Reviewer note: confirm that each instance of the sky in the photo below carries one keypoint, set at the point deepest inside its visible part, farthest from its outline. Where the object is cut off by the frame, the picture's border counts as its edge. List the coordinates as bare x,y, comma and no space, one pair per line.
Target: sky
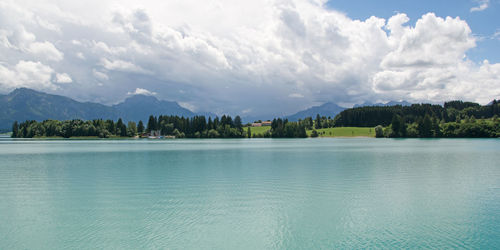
253,58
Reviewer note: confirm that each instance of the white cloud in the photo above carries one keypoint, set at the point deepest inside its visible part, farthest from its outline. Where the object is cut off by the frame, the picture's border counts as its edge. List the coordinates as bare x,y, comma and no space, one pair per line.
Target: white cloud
188,105
227,56
47,24
22,40
80,55
100,75
76,42
496,35
483,4
428,60
46,50
433,41
63,78
140,91
296,95
124,66
26,74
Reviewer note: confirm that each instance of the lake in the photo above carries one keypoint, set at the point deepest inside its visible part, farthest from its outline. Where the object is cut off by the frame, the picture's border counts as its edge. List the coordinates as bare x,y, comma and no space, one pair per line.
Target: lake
250,194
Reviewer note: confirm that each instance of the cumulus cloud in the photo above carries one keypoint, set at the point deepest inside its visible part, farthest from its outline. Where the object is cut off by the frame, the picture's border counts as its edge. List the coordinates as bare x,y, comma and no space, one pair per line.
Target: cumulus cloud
46,50
26,74
483,4
139,91
422,67
418,47
262,56
22,40
63,78
124,66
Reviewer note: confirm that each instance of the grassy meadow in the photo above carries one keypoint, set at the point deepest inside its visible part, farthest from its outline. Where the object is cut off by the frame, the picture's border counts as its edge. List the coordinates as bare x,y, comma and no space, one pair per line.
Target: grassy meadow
258,130
344,132
329,132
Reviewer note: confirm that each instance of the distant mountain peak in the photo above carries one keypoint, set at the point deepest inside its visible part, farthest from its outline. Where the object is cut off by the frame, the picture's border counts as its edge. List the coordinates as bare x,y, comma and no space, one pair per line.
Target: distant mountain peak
329,104
141,98
328,109
380,104
24,90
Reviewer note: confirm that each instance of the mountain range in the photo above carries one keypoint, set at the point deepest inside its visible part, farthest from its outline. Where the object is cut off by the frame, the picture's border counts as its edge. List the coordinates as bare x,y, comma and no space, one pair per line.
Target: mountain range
27,104
380,104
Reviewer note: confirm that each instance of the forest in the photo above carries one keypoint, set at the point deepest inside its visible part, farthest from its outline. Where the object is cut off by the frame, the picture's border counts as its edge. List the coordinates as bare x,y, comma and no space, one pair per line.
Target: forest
455,119
174,126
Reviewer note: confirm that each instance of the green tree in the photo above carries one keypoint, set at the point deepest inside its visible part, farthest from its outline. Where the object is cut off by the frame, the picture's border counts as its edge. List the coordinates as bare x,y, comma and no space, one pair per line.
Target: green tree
212,133
249,132
379,131
178,134
425,127
314,133
151,124
436,131
396,126
131,129
110,126
237,123
119,125
121,129
167,128
308,122
317,122
15,130
140,127
472,119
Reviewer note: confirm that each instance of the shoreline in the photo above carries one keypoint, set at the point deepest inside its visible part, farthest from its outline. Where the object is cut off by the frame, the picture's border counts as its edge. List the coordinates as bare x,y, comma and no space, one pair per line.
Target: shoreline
170,139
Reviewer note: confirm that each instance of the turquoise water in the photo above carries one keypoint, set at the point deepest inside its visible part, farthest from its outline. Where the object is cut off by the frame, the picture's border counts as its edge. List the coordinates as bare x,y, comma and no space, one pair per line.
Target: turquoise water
250,194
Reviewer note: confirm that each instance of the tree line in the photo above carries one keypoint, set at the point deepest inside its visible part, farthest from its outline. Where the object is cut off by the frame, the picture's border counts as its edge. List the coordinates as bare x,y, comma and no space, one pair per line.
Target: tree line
196,127
453,111
178,127
455,119
432,127
71,128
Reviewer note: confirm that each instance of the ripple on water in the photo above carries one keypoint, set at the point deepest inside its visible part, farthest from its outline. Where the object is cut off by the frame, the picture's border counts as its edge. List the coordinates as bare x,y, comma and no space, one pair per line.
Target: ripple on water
254,194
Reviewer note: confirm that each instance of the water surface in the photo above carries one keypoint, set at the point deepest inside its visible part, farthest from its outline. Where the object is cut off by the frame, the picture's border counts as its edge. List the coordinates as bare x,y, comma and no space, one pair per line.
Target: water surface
250,194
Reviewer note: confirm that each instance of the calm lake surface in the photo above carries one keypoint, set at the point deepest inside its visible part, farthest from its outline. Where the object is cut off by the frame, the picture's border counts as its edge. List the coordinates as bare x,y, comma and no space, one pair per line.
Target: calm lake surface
250,194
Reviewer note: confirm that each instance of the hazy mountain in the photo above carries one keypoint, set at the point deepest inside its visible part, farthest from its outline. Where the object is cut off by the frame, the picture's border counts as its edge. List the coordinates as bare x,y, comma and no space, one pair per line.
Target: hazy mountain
207,114
391,103
26,104
253,118
328,109
140,107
